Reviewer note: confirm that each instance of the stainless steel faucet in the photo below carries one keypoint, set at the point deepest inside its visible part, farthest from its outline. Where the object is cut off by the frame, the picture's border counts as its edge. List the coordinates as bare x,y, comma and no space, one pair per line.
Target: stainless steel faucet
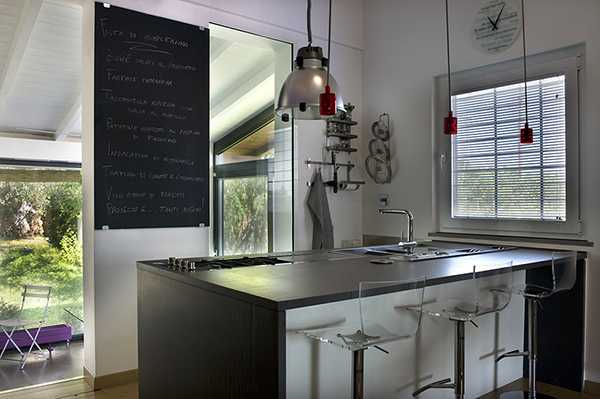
411,243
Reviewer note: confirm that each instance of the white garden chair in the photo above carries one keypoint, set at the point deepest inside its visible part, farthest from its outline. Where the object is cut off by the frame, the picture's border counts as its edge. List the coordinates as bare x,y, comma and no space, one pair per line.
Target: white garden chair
31,293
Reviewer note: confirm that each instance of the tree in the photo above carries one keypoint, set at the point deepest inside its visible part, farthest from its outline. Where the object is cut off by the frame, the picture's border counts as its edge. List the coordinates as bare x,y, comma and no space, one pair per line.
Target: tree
245,224
63,210
21,209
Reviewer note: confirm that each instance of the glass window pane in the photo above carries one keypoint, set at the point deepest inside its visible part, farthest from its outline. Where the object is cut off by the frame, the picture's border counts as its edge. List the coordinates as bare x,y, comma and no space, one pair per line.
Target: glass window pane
40,243
245,215
493,174
249,140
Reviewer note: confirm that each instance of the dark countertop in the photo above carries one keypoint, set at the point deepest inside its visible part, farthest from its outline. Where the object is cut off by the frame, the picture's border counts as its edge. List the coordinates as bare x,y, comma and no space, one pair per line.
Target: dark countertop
316,277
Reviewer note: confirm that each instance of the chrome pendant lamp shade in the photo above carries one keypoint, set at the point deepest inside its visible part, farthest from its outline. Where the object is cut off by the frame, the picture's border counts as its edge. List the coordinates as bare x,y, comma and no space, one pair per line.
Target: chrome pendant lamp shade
301,90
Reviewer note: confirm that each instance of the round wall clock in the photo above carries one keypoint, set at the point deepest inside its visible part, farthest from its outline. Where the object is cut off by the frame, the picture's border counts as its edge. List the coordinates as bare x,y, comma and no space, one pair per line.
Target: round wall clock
497,25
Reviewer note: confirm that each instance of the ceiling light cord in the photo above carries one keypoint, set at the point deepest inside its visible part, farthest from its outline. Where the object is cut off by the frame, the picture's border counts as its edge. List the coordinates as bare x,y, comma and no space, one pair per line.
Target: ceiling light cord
448,58
308,23
329,44
524,61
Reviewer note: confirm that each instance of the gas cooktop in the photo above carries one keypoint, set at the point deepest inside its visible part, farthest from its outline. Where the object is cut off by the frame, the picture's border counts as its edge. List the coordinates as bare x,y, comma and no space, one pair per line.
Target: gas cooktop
202,264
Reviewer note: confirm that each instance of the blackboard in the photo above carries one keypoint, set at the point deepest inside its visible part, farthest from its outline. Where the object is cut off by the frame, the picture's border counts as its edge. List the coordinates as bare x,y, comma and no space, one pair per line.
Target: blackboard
151,121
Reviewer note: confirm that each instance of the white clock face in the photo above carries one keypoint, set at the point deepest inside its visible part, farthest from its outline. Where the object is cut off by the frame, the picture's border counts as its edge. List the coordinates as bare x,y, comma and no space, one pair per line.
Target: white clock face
497,25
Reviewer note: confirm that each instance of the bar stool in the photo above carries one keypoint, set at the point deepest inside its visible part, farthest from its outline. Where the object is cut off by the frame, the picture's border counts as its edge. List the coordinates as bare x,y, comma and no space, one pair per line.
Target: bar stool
561,277
487,291
385,310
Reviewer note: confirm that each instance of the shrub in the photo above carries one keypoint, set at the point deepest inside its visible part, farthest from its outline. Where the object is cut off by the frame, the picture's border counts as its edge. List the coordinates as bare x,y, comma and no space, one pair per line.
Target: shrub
45,265
63,209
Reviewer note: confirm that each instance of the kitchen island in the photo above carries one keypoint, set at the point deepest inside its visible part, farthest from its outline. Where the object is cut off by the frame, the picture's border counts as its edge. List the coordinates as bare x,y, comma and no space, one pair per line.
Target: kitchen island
220,332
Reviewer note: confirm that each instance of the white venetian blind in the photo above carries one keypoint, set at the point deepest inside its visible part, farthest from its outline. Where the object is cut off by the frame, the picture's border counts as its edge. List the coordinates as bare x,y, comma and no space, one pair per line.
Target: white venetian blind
496,177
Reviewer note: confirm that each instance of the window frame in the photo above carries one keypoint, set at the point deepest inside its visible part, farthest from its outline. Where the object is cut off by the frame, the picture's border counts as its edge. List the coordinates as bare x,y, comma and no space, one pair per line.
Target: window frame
568,62
256,168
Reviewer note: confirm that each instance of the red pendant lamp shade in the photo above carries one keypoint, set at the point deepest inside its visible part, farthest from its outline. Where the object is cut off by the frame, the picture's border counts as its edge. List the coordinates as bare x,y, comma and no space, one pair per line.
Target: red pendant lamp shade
327,102
450,122
526,134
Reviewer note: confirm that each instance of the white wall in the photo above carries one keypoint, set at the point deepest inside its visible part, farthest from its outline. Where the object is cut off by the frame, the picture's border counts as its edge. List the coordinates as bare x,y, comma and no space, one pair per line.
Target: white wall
40,150
405,49
109,256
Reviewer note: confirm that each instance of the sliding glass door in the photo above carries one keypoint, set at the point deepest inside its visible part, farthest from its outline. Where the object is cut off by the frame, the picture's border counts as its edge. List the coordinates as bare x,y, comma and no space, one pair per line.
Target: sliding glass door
40,241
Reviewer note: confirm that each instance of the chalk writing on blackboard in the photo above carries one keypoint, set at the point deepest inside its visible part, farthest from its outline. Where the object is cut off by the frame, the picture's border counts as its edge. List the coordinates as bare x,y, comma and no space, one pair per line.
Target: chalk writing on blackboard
151,121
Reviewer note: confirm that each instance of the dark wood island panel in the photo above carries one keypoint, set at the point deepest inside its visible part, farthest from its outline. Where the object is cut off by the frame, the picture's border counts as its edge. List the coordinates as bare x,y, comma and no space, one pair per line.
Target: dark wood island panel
188,336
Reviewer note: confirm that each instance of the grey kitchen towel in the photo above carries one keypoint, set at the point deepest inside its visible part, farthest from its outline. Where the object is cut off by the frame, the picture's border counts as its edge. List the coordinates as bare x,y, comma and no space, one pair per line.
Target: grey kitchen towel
319,211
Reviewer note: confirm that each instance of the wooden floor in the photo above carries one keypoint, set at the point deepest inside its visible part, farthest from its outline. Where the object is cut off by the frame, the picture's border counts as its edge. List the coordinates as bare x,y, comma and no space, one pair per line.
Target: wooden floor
66,363
558,393
78,389
75,389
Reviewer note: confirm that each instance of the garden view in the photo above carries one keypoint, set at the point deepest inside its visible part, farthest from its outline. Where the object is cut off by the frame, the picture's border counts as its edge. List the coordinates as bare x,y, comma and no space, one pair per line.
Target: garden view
40,244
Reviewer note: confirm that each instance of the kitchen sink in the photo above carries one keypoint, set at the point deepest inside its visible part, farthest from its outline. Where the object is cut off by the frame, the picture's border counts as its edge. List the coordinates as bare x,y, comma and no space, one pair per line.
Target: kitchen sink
423,251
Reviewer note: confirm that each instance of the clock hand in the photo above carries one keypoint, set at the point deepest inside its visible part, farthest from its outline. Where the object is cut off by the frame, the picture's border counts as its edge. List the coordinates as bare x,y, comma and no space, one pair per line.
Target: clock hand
494,27
499,14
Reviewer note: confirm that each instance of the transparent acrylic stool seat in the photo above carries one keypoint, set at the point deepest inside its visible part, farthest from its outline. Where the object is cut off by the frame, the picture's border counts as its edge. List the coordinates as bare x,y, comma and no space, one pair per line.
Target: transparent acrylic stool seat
561,277
487,291
386,311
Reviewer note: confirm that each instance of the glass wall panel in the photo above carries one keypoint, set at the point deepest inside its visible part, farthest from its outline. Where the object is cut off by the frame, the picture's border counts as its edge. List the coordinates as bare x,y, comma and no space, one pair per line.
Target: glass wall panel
245,215
252,148
40,243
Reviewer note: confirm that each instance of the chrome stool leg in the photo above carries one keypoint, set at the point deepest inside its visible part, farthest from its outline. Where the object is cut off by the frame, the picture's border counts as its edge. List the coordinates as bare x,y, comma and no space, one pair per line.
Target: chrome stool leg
358,373
459,367
531,354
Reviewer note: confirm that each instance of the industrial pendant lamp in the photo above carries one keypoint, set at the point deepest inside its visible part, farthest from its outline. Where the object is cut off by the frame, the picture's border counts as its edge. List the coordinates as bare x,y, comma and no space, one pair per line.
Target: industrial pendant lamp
450,122
526,131
310,82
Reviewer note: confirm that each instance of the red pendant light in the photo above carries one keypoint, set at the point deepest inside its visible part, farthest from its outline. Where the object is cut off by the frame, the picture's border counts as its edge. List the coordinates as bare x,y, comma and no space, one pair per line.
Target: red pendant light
526,131
327,100
450,122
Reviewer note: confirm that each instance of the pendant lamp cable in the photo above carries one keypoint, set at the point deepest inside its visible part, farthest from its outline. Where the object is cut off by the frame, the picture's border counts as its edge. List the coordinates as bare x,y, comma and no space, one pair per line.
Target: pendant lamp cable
448,58
329,44
524,61
308,23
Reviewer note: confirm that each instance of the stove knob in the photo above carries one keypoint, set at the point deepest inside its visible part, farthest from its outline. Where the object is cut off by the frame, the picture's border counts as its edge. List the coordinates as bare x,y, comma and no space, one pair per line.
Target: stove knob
178,264
185,264
192,266
172,261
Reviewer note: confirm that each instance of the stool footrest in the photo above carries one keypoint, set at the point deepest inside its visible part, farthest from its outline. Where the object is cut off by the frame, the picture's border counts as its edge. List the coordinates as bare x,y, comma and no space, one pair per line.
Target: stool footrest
441,384
514,353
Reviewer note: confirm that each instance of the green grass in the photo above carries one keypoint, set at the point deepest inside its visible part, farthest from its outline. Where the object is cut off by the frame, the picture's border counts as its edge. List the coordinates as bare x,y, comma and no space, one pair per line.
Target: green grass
11,293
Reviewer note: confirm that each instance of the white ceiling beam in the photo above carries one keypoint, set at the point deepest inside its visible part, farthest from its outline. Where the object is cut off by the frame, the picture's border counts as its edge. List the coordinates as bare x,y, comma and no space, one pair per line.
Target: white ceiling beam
240,87
27,19
69,120
72,3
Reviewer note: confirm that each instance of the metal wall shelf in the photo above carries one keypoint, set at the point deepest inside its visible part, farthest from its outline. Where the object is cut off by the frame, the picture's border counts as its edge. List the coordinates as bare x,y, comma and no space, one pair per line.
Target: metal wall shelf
338,148
342,136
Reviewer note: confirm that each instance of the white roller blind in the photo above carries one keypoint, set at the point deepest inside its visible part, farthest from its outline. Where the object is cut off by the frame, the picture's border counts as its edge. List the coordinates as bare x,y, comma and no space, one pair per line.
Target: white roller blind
496,177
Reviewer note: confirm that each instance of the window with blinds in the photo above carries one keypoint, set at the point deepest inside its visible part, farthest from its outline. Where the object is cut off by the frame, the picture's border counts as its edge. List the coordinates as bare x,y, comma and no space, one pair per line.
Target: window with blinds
496,177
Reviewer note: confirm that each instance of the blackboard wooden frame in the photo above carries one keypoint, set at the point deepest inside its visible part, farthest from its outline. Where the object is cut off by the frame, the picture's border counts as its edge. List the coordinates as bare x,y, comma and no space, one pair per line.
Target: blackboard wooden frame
151,121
